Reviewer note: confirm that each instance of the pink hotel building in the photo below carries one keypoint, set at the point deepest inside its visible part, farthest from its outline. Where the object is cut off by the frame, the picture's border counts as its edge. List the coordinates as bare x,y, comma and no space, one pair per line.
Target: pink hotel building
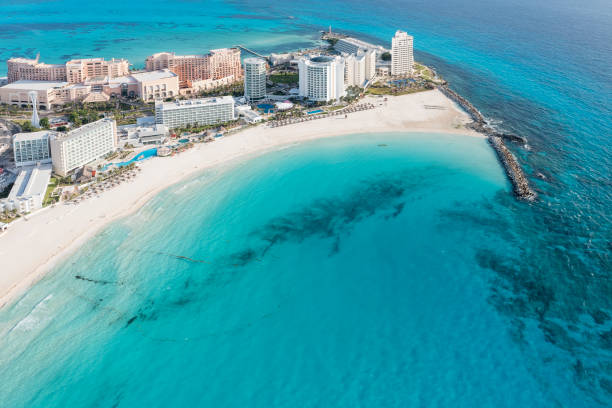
74,71
95,79
86,80
216,65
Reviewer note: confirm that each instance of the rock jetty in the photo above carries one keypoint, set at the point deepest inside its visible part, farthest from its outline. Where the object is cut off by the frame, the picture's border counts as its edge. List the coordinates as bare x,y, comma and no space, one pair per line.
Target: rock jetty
515,173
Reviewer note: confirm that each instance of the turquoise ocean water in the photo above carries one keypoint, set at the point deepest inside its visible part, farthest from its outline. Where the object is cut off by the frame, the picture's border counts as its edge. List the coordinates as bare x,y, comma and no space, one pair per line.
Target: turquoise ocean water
388,270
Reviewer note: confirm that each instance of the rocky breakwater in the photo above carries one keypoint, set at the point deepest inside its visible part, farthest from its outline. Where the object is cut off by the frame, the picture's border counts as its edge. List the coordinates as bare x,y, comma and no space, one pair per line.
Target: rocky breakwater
515,173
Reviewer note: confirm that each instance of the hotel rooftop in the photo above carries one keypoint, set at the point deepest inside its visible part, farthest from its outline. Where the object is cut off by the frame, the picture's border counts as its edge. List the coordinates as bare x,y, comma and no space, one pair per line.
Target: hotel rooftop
77,132
31,181
35,85
21,137
194,102
153,75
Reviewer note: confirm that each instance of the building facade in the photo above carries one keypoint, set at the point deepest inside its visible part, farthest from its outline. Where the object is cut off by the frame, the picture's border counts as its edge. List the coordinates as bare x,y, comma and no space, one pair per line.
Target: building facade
402,59
351,45
24,69
354,70
80,70
321,78
80,80
254,79
147,86
359,68
217,64
157,84
206,85
32,148
225,62
80,146
48,93
143,134
74,71
209,111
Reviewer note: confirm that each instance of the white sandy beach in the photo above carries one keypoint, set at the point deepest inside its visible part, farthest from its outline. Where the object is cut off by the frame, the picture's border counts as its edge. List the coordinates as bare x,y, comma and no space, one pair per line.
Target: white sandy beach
33,245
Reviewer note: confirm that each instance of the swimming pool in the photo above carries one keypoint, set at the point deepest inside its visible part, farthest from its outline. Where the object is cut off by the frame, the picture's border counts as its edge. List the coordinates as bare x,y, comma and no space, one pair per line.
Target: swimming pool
145,154
183,140
315,111
266,107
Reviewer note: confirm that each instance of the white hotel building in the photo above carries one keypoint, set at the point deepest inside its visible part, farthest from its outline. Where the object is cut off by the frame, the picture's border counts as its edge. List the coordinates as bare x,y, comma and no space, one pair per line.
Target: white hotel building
321,78
254,79
359,68
351,45
32,148
207,111
80,146
402,59
28,192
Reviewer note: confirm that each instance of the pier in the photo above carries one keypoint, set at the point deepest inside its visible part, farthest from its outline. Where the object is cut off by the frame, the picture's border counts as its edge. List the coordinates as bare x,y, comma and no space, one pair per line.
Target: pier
242,47
515,173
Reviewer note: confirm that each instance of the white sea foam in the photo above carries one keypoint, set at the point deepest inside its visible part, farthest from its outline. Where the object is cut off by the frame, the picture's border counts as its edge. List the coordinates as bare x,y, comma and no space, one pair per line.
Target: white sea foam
38,315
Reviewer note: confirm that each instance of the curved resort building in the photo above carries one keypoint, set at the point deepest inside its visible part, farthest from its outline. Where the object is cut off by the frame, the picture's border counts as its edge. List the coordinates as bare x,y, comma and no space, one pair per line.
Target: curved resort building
321,78
254,79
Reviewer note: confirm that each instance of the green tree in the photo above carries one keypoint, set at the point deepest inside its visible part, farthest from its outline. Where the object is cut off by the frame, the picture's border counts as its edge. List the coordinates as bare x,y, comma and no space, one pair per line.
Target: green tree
44,123
74,118
386,56
27,127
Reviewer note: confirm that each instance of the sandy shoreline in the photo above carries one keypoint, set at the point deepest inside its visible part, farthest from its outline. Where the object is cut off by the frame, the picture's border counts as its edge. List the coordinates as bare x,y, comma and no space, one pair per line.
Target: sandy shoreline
33,246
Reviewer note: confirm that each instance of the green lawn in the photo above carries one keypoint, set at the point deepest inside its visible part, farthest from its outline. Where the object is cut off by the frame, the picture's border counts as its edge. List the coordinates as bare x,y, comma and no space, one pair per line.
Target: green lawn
284,78
391,91
53,182
375,90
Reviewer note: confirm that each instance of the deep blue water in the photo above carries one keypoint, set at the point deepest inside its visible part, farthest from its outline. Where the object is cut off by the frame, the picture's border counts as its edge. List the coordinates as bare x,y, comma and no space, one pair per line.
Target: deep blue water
312,291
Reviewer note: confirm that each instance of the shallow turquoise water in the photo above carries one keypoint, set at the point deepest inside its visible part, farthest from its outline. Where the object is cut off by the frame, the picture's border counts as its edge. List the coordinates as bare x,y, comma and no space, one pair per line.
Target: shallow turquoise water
332,273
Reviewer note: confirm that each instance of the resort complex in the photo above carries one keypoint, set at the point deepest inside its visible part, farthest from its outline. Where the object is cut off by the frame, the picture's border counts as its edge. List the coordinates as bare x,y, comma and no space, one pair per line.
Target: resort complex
229,204
140,85
73,71
97,80
176,101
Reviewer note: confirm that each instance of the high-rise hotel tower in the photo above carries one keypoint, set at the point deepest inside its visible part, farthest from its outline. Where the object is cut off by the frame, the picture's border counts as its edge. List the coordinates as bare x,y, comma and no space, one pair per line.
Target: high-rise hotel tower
254,79
402,60
321,78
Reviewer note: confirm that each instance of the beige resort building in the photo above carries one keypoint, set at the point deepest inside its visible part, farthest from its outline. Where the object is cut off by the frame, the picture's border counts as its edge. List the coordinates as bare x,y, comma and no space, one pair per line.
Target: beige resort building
74,71
145,85
216,65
